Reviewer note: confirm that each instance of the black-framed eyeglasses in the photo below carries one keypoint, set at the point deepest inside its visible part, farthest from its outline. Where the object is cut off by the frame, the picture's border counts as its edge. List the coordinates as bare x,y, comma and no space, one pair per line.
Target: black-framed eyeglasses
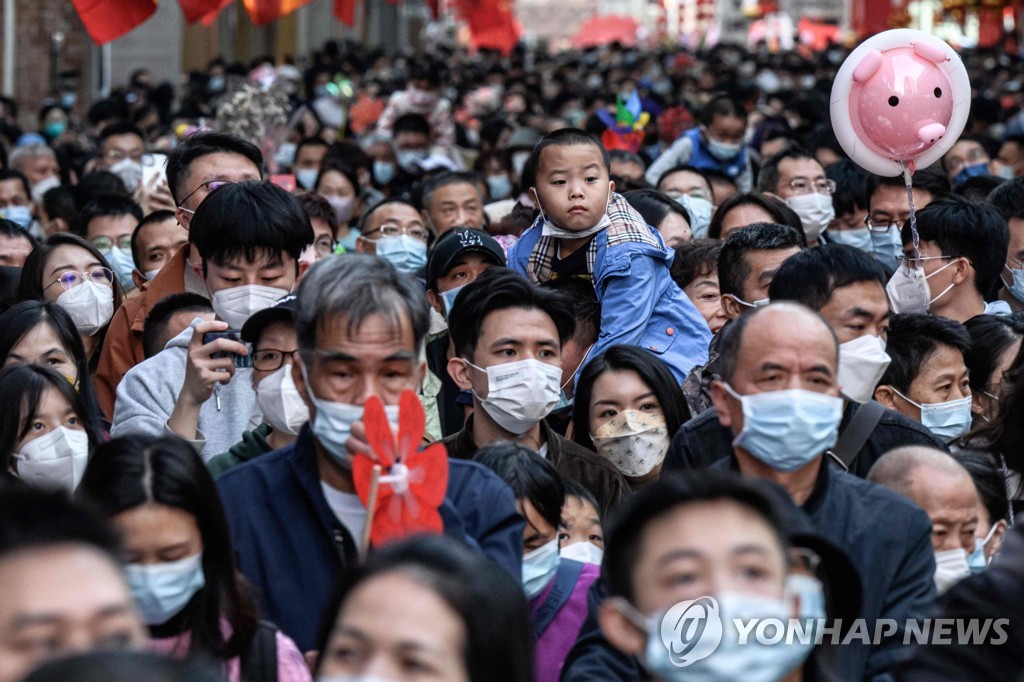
271,359
883,225
211,185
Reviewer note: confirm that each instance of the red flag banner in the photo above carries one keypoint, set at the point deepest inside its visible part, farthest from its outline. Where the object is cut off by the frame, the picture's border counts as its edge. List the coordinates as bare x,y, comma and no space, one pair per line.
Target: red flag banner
204,11
107,20
264,12
345,11
492,23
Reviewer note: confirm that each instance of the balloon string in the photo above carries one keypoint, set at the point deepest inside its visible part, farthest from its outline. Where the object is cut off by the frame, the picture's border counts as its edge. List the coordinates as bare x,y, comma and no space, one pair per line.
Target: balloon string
913,212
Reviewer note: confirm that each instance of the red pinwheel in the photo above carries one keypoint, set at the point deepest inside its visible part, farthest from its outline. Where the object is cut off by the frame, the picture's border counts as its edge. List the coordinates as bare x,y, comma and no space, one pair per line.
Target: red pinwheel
412,481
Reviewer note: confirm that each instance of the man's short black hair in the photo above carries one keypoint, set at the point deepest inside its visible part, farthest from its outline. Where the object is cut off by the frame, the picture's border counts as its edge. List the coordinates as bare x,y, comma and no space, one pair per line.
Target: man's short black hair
529,476
33,518
249,220
155,327
152,219
106,206
121,128
411,123
624,534
912,338
310,142
962,229
769,176
501,289
976,189
733,267
11,230
812,275
11,174
1008,198
851,185
721,104
436,182
626,157
198,145
585,307
930,179
566,137
688,169
96,184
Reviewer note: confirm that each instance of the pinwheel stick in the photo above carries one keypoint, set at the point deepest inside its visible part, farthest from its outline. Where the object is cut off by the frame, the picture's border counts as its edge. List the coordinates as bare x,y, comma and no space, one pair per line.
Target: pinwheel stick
371,507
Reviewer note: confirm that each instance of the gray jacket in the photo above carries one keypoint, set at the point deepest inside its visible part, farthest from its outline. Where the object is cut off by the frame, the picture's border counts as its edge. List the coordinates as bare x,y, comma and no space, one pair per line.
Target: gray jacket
148,392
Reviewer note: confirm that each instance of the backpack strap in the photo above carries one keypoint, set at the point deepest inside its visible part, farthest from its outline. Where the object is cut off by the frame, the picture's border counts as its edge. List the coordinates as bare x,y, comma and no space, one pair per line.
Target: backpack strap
857,433
259,664
565,581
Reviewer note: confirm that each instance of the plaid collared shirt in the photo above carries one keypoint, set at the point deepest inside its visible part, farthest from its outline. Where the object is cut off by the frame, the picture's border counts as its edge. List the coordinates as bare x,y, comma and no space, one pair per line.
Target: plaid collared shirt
627,225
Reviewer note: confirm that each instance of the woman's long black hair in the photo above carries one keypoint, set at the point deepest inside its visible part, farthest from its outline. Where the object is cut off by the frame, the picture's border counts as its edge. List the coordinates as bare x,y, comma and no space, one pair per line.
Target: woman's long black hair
21,390
652,371
22,318
129,472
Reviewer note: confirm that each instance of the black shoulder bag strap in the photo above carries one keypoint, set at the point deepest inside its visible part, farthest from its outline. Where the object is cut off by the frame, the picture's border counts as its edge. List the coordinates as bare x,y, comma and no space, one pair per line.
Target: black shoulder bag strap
565,581
856,433
259,664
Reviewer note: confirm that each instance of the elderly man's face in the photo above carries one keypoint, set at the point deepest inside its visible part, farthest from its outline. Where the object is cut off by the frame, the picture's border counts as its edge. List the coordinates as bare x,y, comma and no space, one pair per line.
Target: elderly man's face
950,500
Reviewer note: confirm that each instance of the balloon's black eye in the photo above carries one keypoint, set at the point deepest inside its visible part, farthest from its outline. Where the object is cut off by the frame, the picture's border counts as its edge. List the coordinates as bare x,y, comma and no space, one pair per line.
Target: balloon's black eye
894,100
938,92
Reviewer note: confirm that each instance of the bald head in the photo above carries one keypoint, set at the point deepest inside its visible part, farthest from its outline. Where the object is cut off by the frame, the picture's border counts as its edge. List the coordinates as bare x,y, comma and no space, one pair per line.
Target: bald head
937,483
788,323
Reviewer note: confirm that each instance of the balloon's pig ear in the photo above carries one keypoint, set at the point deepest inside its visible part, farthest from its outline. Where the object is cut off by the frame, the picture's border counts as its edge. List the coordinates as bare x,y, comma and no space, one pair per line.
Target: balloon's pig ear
867,67
930,51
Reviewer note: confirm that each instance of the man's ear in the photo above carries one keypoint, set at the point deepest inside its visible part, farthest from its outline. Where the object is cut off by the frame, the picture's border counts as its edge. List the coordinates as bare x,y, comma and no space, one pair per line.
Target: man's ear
458,370
996,541
184,217
364,245
303,268
138,279
730,307
961,270
435,301
620,631
611,185
720,399
773,195
886,396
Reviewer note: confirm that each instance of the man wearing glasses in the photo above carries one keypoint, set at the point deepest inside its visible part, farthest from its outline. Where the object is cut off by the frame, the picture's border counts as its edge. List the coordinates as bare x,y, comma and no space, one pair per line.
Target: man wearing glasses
121,148
889,209
107,222
199,165
795,177
395,231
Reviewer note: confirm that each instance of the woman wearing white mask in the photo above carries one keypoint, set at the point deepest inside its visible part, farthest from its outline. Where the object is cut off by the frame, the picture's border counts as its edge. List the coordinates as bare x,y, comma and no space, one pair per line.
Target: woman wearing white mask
46,442
180,565
71,272
670,218
274,346
340,187
426,609
556,586
627,408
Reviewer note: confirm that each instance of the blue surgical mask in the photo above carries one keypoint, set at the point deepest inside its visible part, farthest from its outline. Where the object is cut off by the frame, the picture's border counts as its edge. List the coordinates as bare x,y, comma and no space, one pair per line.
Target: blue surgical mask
306,177
405,252
859,238
55,129
285,155
163,590
332,424
448,297
123,265
971,171
722,151
20,215
976,560
886,245
383,172
408,159
787,429
499,186
539,568
1016,288
751,661
946,420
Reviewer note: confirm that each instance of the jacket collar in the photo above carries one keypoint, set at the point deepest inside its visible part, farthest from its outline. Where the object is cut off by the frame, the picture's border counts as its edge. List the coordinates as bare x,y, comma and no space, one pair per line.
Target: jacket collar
303,465
465,447
172,279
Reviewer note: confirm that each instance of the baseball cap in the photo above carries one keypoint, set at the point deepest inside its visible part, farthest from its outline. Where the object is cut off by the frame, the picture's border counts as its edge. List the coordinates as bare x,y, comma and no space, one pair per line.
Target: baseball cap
456,242
283,310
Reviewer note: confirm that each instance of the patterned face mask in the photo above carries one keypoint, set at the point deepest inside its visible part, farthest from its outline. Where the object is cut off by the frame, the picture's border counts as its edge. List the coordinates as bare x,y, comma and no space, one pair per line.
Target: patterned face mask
635,442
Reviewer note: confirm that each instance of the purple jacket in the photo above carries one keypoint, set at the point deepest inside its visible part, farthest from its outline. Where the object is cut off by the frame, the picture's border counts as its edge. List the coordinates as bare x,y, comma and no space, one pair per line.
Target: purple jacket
554,643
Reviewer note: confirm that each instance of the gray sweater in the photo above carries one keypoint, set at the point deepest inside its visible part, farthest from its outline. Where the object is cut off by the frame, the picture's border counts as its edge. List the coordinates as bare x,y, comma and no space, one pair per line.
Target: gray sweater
148,392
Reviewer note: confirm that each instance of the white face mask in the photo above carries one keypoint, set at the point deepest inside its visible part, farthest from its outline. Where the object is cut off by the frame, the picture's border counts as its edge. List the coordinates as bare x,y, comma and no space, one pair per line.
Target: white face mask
815,211
909,292
44,186
130,173
700,210
549,228
862,362
950,568
90,306
635,442
280,403
150,274
583,552
238,304
56,460
520,394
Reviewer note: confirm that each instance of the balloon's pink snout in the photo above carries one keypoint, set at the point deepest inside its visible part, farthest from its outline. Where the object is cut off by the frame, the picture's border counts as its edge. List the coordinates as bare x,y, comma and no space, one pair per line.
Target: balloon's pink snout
931,132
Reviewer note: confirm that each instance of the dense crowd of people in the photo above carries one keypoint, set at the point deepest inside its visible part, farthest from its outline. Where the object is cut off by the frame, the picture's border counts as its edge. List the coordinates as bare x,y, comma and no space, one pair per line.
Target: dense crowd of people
601,369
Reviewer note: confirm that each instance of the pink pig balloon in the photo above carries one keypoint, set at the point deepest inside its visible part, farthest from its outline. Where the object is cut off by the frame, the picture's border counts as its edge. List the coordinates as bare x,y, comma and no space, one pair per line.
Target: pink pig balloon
902,95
